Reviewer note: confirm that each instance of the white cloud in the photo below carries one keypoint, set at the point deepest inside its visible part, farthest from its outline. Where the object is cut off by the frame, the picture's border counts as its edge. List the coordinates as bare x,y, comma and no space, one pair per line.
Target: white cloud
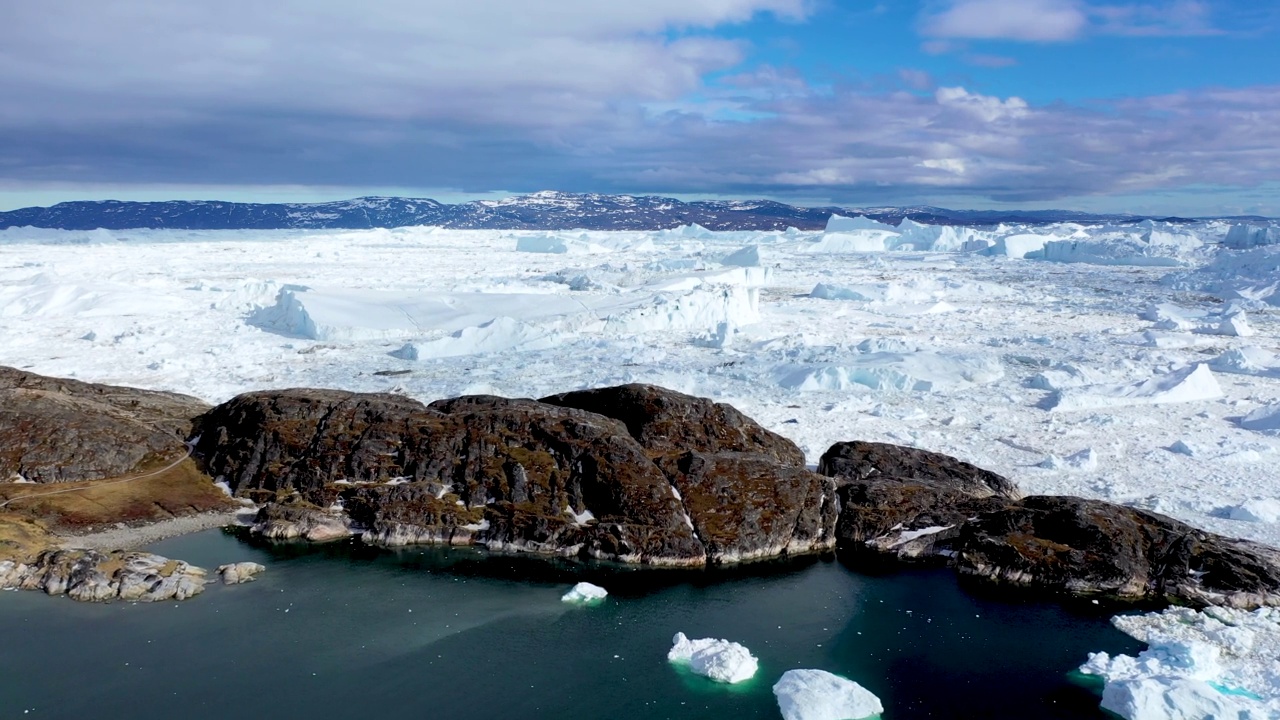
1028,20
985,107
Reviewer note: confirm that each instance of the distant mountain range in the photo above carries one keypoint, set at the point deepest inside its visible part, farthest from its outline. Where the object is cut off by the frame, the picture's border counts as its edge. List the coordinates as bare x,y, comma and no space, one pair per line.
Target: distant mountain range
540,211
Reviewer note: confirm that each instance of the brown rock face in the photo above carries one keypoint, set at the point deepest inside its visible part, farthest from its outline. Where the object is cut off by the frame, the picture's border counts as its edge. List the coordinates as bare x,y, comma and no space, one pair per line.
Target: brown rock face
1089,547
745,506
889,494
525,474
668,424
55,430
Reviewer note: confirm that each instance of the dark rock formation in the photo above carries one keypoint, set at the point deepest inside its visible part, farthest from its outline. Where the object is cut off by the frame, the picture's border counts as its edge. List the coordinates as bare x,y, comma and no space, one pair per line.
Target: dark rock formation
859,460
525,474
1089,547
905,502
668,424
57,430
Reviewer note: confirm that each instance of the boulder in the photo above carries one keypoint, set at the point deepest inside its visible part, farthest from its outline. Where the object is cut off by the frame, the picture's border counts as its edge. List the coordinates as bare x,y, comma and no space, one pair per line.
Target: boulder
237,573
57,430
907,503
1094,548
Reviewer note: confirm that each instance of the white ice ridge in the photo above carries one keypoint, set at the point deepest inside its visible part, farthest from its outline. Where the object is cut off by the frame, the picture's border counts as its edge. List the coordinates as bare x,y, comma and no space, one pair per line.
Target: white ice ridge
585,592
1218,663
720,660
820,695
1189,384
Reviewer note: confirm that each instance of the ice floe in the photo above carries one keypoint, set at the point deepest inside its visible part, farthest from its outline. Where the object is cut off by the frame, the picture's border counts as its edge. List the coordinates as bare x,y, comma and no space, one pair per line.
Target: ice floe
585,592
820,695
720,660
1218,663
1186,385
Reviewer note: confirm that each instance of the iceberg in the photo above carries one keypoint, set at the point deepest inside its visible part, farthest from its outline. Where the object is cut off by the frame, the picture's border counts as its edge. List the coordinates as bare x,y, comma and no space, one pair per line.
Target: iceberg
820,695
720,660
1215,663
1186,385
585,593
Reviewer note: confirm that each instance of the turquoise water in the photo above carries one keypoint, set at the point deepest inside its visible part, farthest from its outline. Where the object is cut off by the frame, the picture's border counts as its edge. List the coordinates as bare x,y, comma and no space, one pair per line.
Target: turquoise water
341,631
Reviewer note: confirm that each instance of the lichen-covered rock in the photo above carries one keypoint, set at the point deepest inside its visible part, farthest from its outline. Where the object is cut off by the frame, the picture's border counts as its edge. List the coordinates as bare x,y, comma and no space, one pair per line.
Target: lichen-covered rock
1094,548
905,502
281,521
525,474
92,576
668,423
746,506
858,460
57,430
241,572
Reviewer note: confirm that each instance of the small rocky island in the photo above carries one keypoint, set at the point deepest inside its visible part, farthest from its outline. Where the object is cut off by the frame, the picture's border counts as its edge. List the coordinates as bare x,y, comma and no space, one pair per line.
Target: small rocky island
633,474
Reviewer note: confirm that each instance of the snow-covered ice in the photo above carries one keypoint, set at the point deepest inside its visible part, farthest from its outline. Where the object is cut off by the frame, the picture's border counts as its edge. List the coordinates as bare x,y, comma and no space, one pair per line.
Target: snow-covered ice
720,660
1219,663
585,592
999,361
820,695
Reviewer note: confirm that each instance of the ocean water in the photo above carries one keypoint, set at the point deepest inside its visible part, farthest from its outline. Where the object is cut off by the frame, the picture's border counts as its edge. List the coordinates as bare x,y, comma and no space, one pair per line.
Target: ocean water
344,631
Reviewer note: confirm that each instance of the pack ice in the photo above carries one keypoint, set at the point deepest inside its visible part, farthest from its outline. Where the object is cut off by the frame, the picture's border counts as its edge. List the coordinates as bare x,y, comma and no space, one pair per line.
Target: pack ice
720,660
1216,663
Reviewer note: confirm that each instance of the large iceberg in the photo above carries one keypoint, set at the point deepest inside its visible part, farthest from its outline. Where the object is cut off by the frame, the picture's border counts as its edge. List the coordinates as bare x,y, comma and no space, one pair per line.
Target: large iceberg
820,695
720,660
1218,663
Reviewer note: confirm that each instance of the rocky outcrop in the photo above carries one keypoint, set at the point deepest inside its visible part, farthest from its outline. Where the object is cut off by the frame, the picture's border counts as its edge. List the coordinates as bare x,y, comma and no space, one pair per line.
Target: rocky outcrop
57,430
528,475
237,573
1089,547
92,576
668,424
905,502
281,521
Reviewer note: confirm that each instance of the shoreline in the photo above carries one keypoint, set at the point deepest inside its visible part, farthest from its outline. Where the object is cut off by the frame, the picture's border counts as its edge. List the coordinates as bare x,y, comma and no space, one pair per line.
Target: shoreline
133,538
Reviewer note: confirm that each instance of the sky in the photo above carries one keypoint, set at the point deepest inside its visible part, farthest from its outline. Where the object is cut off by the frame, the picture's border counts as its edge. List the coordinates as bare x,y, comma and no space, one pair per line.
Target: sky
1165,107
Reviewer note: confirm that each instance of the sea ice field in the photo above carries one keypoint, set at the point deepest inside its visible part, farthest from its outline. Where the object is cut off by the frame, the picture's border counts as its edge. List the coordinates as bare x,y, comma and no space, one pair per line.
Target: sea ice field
1134,364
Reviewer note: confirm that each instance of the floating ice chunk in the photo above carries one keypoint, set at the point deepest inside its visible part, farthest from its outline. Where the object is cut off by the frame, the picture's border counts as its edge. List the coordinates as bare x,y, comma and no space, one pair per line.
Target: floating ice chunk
1244,236
820,695
1259,510
1176,699
748,256
1020,246
720,338
1234,325
1186,385
1063,376
840,223
558,245
720,660
585,592
497,335
704,307
1162,312
1249,360
1168,340
1217,663
1181,447
915,372
1263,419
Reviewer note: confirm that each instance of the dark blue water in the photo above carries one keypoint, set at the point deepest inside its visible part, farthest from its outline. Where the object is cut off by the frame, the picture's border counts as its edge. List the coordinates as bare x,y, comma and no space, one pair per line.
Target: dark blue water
342,631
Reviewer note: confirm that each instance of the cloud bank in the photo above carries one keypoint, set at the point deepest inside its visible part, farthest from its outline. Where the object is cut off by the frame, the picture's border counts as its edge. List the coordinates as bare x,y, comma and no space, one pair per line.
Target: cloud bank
578,95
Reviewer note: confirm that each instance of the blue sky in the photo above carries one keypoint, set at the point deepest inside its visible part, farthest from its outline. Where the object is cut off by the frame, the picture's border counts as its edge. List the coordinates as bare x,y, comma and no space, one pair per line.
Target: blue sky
1159,106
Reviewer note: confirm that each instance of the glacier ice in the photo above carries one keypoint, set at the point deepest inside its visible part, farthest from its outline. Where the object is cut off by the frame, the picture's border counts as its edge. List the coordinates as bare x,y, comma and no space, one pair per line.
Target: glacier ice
720,660
820,695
